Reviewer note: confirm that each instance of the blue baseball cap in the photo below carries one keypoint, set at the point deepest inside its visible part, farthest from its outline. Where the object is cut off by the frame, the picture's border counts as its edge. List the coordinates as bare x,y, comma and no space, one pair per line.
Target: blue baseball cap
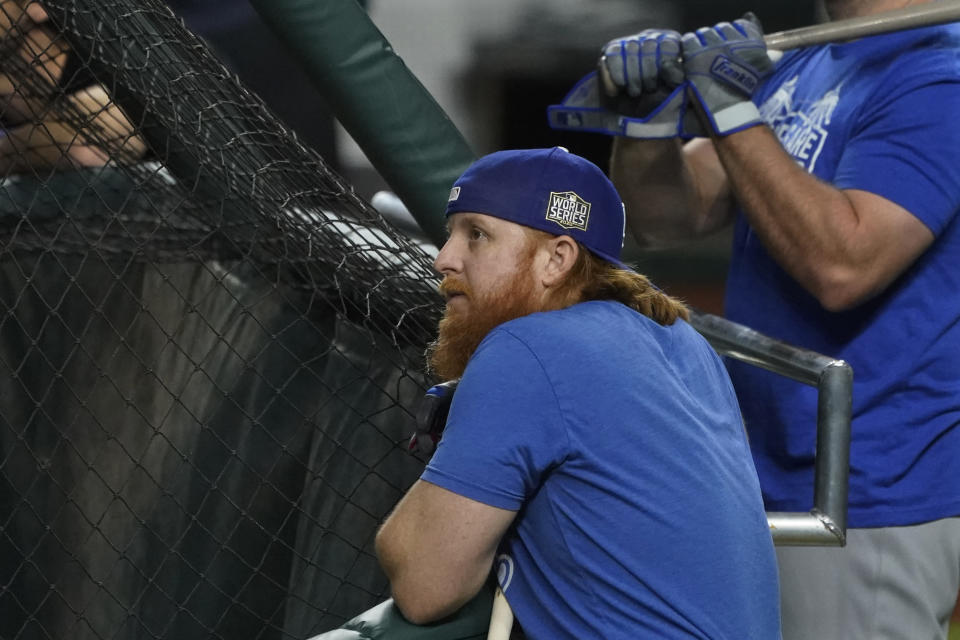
548,189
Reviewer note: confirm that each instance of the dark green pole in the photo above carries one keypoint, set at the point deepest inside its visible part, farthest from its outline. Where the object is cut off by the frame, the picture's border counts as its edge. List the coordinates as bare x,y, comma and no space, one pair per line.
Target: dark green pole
400,127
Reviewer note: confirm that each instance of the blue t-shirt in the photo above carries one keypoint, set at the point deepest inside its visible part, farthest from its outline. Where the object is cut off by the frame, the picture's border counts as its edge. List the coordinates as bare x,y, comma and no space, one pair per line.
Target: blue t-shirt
876,115
621,445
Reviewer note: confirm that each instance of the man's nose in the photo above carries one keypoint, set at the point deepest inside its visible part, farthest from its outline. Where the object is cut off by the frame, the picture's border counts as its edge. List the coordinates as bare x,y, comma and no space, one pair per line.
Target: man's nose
448,260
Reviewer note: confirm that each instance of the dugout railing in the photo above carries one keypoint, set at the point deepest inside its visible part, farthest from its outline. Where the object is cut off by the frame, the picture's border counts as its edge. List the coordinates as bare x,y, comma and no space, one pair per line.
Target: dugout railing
826,523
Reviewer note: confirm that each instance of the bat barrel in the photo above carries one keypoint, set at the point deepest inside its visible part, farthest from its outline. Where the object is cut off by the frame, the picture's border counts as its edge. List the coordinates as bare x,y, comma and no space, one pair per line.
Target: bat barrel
923,15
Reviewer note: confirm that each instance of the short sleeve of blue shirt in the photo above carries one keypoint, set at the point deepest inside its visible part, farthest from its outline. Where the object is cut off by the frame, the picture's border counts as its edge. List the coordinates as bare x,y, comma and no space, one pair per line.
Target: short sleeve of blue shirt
902,151
504,431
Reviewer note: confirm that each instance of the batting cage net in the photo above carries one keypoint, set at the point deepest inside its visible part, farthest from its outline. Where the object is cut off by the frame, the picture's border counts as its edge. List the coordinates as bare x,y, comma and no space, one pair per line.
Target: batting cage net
210,347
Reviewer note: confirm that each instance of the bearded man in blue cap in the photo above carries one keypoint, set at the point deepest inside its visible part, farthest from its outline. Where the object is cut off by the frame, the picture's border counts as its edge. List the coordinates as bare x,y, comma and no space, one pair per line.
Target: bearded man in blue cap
594,449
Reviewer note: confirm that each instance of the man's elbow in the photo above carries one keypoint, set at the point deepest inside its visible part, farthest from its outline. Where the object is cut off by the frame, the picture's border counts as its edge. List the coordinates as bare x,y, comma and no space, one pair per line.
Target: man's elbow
421,594
423,599
418,607
841,289
412,607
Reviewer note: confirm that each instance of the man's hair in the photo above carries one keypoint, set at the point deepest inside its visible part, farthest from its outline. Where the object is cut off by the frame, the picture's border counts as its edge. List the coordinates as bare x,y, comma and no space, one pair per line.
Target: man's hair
593,278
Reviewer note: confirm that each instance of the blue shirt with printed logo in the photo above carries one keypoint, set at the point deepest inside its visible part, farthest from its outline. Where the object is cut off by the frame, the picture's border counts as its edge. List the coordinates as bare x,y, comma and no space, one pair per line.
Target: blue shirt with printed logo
620,445
878,115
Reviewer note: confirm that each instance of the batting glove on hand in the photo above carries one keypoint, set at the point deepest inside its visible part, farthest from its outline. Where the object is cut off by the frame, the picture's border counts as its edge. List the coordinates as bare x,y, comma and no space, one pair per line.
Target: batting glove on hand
641,77
638,90
724,65
643,64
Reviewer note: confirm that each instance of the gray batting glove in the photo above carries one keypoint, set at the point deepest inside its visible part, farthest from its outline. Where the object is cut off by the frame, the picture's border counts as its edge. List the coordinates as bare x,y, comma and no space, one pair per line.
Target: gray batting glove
637,94
724,65
642,64
585,109
639,75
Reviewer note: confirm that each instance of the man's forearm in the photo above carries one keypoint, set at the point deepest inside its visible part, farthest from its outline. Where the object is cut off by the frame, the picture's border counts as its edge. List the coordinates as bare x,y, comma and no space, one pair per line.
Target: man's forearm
826,239
421,590
672,194
802,220
437,549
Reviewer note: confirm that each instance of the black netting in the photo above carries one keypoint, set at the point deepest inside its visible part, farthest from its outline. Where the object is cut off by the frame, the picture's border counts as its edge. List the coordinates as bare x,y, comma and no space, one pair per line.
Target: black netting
210,348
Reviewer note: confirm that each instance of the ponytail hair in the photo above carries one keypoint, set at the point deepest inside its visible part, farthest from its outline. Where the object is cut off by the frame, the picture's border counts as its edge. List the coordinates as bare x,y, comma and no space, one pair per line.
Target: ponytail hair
592,278
605,281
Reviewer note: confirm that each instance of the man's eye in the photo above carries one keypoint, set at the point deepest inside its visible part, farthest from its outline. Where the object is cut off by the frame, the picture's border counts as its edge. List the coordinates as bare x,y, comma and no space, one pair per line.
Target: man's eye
477,234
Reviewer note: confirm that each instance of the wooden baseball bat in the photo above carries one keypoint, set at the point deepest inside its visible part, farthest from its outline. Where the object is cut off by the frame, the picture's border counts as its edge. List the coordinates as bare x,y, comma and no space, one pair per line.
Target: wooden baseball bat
501,618
921,15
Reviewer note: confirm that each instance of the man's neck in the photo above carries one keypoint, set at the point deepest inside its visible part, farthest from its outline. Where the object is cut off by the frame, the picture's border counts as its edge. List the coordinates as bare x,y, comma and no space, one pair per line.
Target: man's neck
843,9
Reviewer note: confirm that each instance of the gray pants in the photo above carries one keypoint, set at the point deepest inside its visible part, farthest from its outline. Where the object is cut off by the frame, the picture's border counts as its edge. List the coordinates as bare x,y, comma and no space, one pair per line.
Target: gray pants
895,583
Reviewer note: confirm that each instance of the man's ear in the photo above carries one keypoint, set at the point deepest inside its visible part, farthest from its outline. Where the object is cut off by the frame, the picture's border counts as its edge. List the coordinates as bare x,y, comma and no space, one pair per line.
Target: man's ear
563,253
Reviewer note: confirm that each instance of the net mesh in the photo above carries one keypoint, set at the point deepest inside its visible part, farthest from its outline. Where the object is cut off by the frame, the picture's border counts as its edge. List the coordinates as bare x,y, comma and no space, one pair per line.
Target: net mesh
210,347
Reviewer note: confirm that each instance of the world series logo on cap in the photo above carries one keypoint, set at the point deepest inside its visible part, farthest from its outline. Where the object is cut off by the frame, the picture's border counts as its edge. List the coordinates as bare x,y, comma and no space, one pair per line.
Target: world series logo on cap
568,210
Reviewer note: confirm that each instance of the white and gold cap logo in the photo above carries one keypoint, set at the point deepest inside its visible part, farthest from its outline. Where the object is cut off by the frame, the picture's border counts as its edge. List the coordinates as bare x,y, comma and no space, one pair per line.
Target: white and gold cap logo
568,210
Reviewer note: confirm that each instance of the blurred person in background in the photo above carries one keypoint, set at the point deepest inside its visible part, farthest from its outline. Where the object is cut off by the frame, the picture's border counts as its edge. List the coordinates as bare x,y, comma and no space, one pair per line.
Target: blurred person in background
54,114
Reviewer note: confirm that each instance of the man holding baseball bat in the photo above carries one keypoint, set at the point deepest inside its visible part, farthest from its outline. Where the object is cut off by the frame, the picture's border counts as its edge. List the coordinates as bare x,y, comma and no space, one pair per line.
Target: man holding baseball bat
840,170
594,446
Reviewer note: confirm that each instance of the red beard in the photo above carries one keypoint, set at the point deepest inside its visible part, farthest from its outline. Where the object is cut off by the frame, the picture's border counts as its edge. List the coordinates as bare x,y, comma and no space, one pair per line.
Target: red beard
460,333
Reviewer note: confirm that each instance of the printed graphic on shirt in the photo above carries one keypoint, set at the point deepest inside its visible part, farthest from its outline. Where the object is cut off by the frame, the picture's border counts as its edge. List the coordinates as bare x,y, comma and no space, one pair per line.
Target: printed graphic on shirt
568,210
802,128
504,566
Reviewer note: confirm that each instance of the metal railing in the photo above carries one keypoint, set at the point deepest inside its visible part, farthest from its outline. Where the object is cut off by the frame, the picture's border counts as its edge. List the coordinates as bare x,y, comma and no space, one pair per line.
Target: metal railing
826,523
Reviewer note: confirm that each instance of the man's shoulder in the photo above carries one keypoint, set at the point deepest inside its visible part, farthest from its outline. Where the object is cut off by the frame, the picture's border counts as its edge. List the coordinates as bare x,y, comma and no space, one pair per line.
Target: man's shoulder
589,313
592,325
923,51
